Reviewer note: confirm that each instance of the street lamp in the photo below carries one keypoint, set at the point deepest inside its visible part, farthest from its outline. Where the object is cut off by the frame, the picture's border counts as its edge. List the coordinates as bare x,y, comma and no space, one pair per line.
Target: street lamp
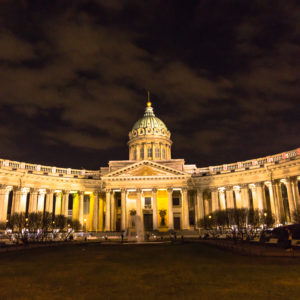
209,216
85,224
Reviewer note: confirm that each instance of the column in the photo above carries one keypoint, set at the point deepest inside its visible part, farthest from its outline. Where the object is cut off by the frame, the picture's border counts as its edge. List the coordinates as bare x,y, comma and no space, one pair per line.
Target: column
274,208
16,200
153,151
254,195
295,188
170,209
245,196
222,198
214,202
65,203
123,210
145,151
101,211
199,206
229,198
291,201
96,211
58,203
154,211
80,209
113,212
186,222
238,200
160,151
41,200
259,195
277,192
138,203
107,212
49,201
138,152
4,194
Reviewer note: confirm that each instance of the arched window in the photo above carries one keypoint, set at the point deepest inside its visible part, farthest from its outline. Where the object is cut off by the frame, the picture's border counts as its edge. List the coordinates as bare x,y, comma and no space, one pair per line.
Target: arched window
156,152
142,153
149,152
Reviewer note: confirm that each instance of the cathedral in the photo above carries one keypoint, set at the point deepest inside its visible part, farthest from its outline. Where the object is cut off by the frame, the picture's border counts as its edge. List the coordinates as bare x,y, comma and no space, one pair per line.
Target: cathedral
164,193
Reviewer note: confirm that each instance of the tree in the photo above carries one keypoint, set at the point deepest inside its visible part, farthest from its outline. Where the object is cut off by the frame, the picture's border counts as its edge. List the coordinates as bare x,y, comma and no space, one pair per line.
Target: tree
221,218
206,222
240,218
60,222
17,221
35,221
75,224
254,218
47,222
267,218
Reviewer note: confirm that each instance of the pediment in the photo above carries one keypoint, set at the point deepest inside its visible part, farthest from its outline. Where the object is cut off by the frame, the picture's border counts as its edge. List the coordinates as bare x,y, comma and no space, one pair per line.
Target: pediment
146,168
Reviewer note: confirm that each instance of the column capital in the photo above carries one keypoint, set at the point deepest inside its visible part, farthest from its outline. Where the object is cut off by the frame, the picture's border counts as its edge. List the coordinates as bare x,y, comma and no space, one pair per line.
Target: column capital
49,191
139,190
184,189
259,184
228,187
123,190
66,192
154,190
170,190
245,186
107,190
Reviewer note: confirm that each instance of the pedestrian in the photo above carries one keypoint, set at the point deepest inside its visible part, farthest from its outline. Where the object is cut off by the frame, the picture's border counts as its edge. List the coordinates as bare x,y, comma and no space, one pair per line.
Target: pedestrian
289,241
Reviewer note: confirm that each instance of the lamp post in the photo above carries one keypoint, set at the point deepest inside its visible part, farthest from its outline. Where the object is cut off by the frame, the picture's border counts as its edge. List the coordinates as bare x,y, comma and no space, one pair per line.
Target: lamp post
85,225
265,215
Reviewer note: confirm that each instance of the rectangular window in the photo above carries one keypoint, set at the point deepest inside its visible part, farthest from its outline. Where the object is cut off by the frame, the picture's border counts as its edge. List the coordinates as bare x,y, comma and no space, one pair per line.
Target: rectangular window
134,155
176,201
142,153
149,152
119,203
147,202
164,153
157,153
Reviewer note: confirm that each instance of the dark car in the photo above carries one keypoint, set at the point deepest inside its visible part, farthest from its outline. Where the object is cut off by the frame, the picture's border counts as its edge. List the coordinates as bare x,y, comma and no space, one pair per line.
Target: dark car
281,233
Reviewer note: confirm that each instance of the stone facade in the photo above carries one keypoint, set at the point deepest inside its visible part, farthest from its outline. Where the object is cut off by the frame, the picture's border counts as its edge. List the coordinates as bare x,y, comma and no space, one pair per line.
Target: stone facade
164,193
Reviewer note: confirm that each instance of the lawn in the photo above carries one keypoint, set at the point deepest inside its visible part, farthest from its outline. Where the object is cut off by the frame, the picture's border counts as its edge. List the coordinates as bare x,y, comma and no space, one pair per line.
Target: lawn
184,271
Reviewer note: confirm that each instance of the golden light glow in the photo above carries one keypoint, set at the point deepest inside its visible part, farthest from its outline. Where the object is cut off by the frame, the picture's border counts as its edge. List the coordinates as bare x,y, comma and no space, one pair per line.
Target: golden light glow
149,102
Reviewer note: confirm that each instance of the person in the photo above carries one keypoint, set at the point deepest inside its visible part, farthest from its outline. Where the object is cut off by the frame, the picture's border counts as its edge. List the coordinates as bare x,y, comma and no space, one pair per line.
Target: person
289,240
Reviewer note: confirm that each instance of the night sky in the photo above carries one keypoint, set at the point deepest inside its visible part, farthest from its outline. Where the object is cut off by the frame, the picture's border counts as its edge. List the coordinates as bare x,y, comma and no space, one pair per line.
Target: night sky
74,75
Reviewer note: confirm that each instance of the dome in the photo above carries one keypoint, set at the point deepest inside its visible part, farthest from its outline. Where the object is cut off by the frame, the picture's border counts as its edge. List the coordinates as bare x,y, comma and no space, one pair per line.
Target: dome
149,138
149,121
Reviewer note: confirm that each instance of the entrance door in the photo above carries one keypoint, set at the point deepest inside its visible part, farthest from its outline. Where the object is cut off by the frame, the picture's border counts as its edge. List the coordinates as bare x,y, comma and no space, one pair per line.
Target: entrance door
177,223
148,222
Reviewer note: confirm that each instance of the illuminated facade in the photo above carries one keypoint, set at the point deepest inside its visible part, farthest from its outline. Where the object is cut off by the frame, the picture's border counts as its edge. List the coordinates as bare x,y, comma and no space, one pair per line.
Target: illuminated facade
164,193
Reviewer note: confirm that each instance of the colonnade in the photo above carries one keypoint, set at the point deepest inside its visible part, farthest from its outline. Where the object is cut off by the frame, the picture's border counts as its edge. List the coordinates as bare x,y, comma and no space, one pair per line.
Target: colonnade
279,197
111,209
150,151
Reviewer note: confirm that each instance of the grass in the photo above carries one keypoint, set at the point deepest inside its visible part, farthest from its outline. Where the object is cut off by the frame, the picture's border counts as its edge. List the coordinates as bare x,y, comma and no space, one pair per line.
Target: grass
183,271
